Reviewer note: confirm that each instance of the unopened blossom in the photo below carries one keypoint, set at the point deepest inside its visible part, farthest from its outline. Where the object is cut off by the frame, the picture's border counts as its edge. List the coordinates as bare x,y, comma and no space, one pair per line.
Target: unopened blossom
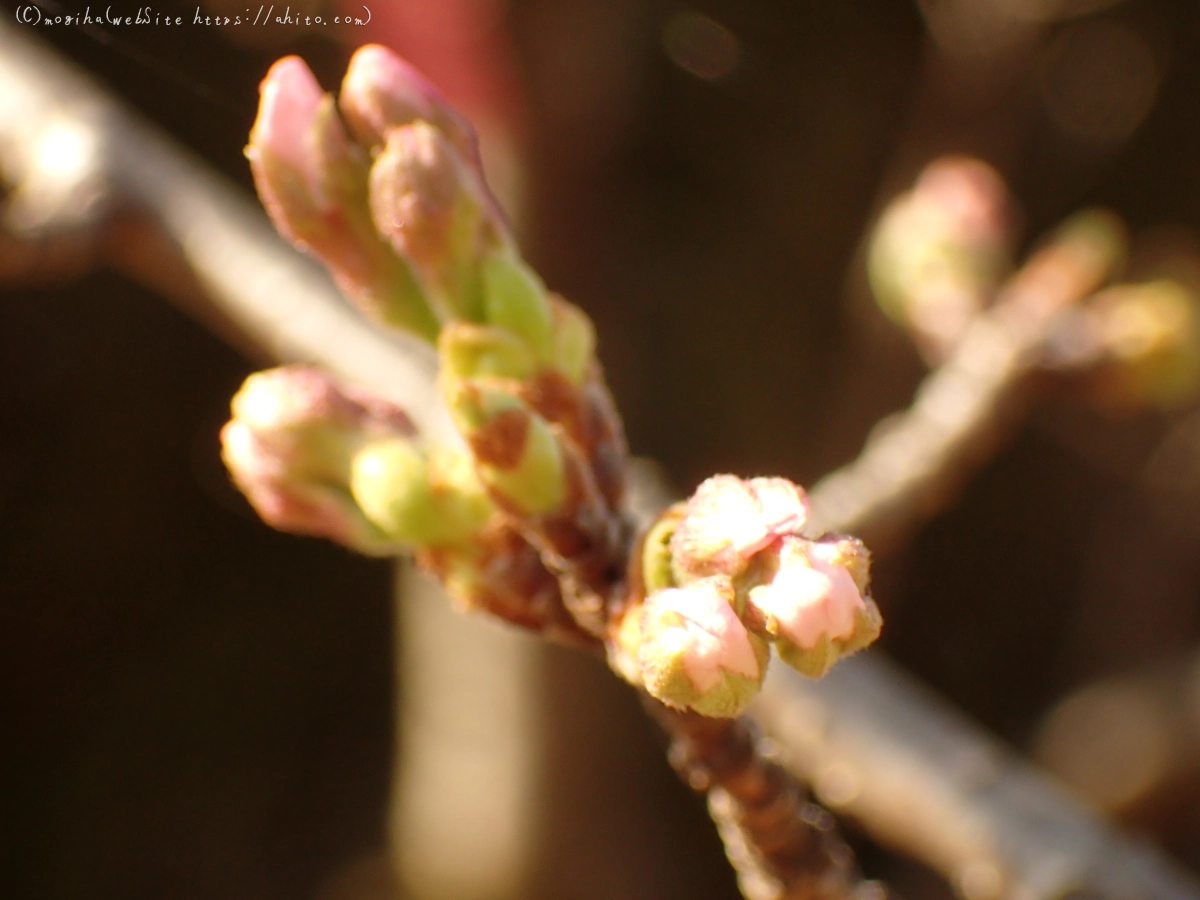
728,520
292,470
289,97
939,250
290,447
312,180
815,606
381,91
301,413
694,651
297,505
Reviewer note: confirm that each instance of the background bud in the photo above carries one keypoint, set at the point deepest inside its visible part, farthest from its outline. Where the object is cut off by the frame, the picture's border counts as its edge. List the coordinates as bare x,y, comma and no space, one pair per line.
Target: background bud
1150,334
940,249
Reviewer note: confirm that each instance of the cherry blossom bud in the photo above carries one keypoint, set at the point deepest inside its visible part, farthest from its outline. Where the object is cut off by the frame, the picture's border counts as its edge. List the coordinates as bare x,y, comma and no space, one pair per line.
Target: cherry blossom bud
288,100
517,453
433,209
295,504
695,653
420,499
289,449
940,249
814,607
728,520
299,411
381,91
313,184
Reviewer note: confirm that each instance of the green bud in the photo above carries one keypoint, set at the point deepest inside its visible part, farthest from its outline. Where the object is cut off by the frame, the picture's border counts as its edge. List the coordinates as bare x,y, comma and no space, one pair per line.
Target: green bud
656,551
536,485
418,499
517,453
473,351
515,300
574,339
695,653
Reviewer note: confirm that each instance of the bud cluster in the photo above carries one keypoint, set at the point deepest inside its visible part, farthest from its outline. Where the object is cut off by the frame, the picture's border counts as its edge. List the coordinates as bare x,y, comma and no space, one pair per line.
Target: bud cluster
385,186
728,574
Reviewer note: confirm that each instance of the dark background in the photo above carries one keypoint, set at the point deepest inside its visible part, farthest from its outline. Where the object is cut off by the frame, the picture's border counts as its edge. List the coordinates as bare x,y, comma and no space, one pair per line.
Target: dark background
196,706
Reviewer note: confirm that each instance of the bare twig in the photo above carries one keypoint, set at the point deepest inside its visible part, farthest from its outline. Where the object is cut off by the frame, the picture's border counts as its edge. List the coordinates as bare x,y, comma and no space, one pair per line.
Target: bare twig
920,778
913,462
782,846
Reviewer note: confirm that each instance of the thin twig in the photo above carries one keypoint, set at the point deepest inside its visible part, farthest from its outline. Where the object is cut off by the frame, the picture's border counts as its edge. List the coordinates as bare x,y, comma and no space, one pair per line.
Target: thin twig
913,462
920,778
782,846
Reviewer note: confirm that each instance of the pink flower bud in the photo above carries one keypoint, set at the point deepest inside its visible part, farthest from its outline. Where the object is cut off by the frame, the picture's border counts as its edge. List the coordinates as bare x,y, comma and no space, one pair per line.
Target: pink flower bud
381,91
296,505
417,183
814,606
810,597
290,446
289,97
313,184
695,652
728,520
300,411
434,210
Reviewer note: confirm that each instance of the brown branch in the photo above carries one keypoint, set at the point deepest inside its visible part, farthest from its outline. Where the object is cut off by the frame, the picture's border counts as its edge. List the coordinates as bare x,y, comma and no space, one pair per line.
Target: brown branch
782,846
921,779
